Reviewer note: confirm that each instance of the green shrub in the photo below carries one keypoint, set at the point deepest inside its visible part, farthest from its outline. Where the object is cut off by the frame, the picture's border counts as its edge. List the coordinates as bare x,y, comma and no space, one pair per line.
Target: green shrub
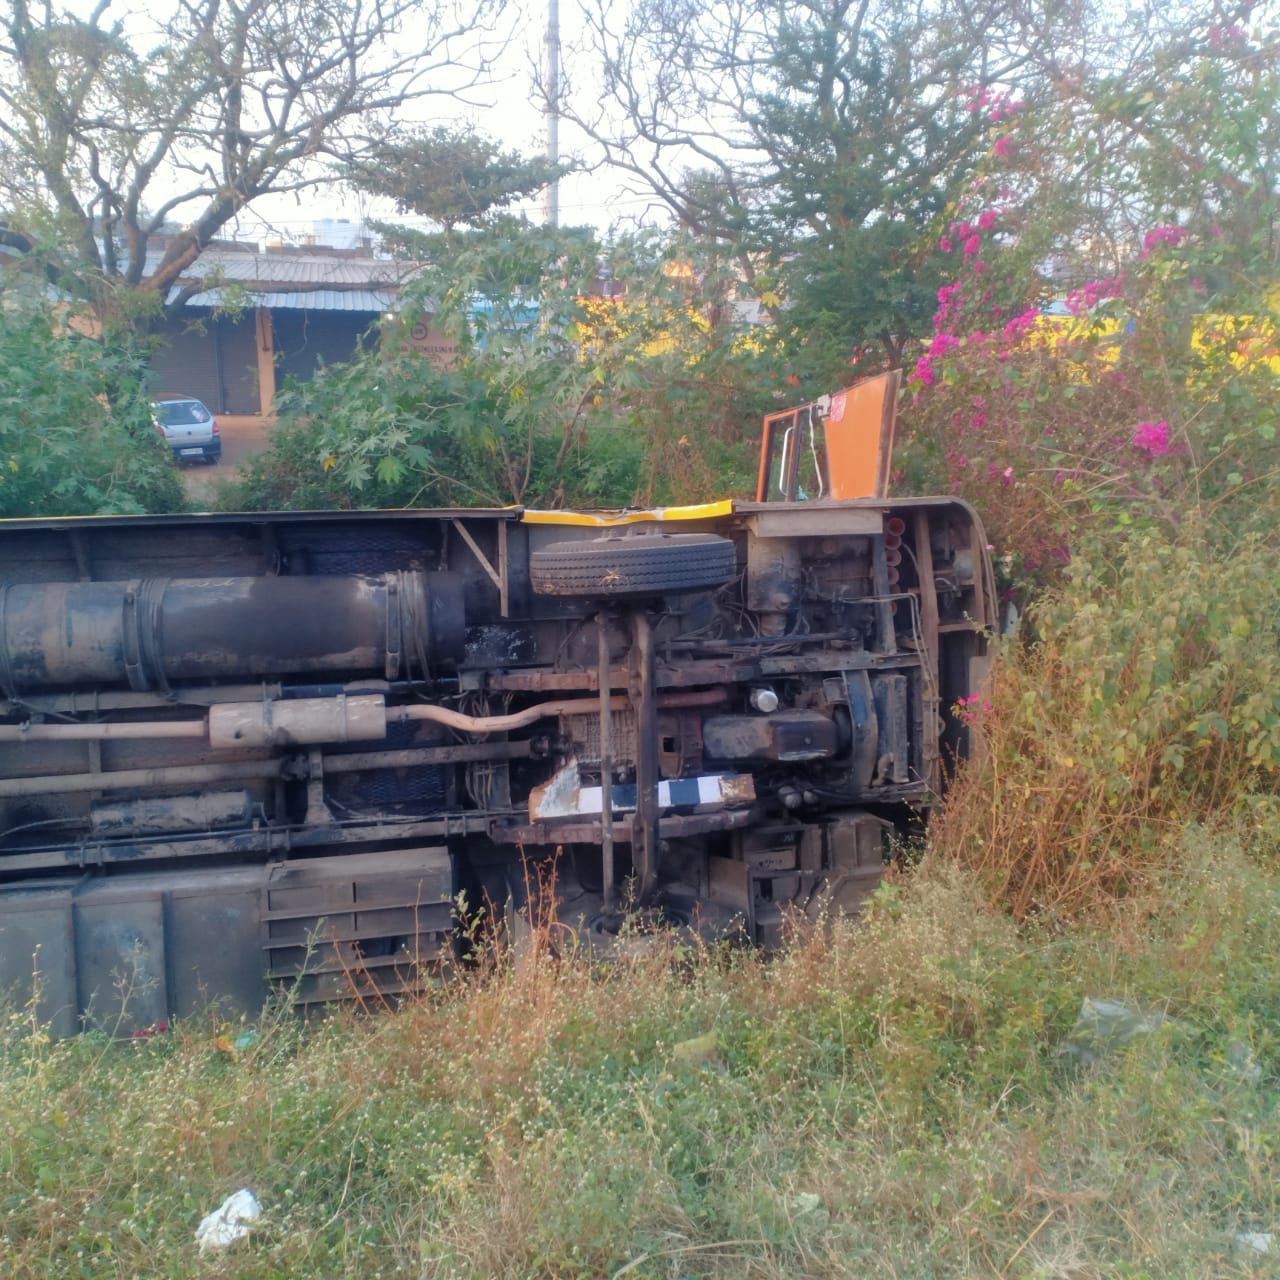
76,436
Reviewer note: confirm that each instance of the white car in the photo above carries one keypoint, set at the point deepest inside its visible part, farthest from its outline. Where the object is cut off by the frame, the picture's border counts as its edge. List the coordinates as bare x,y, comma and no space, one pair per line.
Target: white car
188,427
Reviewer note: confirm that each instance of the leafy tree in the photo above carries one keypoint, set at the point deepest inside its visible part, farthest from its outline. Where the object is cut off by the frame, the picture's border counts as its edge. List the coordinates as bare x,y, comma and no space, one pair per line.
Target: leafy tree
1183,129
818,141
113,131
454,177
64,450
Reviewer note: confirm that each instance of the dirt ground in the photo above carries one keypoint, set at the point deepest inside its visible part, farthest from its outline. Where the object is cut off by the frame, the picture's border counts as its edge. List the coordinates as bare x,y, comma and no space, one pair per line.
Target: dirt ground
242,437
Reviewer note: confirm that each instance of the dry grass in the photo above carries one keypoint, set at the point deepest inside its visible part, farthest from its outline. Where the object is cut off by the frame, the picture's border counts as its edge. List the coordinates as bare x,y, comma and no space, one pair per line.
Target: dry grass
884,1099
1149,701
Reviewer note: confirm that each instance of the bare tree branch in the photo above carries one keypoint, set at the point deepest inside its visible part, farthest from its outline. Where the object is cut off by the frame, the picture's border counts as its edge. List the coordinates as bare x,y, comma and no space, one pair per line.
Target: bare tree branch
245,98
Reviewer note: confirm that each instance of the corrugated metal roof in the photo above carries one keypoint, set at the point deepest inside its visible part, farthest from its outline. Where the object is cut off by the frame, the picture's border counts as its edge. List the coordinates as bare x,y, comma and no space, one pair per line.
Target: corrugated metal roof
288,268
369,300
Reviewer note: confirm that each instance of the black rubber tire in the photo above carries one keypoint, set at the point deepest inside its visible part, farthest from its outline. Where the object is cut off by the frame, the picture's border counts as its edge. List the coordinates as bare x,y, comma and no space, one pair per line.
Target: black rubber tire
647,564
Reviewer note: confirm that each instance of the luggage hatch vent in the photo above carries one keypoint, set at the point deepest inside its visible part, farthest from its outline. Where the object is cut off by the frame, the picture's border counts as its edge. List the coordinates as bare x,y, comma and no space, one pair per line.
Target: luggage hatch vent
358,928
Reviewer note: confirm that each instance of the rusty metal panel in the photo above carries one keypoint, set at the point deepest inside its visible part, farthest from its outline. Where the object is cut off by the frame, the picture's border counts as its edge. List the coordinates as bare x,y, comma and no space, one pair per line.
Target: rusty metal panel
214,927
37,954
359,926
893,740
730,883
855,846
790,735
121,980
584,732
206,811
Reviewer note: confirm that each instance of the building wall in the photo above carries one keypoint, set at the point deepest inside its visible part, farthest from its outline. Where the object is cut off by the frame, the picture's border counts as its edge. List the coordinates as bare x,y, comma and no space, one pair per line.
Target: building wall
305,339
236,364
214,358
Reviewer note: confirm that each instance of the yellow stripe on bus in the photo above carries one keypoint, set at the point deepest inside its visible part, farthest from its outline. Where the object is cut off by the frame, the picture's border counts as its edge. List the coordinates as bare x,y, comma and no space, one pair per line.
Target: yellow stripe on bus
604,519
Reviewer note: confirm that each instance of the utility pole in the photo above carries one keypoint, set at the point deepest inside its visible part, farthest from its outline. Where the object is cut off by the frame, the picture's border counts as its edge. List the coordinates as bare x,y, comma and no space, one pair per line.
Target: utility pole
551,197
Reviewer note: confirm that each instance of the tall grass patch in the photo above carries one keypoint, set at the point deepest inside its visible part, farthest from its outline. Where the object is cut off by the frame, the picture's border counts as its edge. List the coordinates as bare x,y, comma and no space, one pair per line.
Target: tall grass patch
1148,699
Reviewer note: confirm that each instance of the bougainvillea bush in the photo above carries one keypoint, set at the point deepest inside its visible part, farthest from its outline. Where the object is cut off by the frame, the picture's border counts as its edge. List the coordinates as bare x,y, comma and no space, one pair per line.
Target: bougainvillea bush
1104,350
1128,400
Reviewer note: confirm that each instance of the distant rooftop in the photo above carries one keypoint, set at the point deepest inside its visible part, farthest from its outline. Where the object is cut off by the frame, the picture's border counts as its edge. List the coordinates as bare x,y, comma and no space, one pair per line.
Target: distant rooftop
291,277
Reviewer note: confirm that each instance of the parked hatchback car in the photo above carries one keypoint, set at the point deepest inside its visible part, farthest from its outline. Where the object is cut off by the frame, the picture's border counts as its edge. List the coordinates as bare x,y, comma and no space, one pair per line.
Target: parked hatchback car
188,426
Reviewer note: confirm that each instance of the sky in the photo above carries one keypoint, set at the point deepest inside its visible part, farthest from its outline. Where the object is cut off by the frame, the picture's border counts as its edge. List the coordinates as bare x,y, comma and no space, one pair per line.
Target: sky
504,111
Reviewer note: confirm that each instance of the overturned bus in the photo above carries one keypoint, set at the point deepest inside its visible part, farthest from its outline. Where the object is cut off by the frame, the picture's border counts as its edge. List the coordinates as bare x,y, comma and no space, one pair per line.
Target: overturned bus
239,751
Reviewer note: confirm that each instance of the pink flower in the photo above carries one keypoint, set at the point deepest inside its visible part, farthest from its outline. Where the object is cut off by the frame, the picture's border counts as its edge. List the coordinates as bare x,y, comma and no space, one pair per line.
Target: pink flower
945,244
1164,235
923,372
1223,38
1020,324
972,246
1080,300
987,220
1002,147
1152,438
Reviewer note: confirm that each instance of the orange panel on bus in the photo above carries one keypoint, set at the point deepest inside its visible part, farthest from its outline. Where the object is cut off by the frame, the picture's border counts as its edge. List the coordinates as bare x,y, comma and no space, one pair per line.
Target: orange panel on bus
859,428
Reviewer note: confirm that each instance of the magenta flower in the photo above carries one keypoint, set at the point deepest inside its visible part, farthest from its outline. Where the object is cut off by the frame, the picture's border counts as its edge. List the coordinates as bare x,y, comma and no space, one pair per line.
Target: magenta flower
1020,324
945,244
1165,235
972,246
987,220
923,372
1152,438
1002,147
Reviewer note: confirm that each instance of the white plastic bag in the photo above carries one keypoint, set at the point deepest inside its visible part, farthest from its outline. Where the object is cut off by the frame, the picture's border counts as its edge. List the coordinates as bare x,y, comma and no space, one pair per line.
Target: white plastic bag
1104,1026
229,1222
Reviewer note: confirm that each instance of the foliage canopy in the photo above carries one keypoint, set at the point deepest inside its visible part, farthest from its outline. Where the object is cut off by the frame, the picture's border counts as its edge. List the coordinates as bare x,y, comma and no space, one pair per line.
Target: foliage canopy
116,130
65,448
